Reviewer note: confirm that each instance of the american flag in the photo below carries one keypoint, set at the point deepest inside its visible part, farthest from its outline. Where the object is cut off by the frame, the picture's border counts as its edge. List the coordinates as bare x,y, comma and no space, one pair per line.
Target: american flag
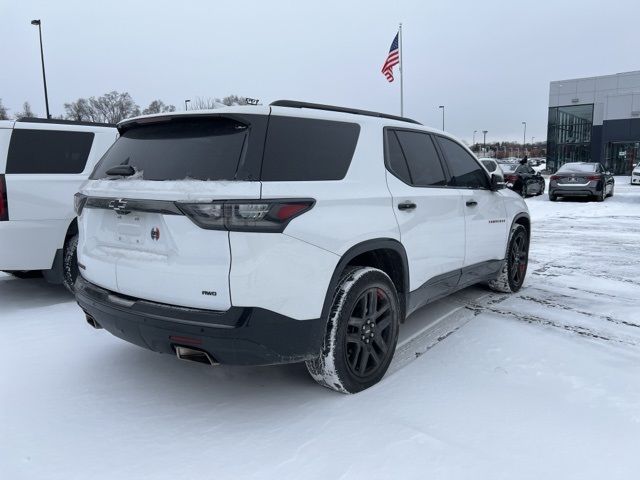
392,60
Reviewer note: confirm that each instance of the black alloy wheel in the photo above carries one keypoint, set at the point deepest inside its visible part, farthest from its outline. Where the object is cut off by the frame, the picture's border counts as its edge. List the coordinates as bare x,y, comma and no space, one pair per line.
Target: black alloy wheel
362,332
518,258
369,337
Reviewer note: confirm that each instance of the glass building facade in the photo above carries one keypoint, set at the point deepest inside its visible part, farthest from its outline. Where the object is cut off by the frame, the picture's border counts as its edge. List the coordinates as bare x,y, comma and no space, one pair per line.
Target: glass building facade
569,135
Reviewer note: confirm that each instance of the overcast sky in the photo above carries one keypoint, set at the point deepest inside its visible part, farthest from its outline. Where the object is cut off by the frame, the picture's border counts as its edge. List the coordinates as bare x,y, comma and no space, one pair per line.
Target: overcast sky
488,62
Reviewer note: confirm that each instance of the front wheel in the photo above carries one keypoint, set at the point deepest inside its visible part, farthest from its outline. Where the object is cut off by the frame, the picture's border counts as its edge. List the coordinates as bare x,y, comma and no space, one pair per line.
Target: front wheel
514,269
362,332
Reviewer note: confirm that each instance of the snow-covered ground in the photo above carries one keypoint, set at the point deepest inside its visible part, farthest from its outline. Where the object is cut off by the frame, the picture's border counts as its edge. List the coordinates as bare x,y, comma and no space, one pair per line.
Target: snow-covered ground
541,384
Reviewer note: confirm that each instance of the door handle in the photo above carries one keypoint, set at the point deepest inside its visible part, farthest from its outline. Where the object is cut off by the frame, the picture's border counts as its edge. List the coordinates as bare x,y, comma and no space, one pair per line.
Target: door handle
471,203
406,205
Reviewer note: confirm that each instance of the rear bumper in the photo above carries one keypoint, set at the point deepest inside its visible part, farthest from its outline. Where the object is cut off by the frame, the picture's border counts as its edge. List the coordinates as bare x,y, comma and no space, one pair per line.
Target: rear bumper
238,336
575,191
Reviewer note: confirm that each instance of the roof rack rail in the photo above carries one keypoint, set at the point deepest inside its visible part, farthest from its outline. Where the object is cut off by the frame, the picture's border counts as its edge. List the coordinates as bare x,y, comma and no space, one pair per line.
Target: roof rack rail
332,108
64,122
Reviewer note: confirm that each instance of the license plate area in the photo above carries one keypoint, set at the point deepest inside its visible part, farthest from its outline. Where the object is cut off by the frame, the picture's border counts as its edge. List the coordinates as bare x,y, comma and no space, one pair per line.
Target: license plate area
141,231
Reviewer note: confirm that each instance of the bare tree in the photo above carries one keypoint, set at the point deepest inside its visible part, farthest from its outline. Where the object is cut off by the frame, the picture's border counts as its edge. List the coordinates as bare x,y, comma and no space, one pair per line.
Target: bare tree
111,107
232,100
26,112
158,106
80,110
211,103
3,111
208,103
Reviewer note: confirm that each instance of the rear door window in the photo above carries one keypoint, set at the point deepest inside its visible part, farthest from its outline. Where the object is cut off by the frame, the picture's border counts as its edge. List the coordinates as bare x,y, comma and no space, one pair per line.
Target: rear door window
48,151
304,149
200,149
396,163
422,158
463,167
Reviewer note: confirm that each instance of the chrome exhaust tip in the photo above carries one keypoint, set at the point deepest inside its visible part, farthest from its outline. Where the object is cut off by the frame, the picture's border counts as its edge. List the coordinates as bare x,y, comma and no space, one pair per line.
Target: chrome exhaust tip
92,321
193,355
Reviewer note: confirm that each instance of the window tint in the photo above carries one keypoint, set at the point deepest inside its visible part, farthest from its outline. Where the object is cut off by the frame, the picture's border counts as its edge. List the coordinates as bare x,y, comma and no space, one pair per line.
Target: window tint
202,149
308,149
422,158
464,169
395,158
48,151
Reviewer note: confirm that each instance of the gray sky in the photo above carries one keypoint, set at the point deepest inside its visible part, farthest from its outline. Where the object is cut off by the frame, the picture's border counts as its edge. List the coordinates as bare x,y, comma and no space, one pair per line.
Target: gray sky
489,62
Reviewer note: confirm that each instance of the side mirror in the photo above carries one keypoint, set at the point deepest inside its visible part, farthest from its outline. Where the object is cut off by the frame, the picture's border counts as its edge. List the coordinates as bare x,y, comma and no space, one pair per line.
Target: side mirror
497,182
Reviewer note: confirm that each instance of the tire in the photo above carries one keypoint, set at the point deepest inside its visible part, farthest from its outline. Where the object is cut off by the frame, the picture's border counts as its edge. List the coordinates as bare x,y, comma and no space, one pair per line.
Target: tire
362,332
553,198
612,188
602,195
514,269
70,263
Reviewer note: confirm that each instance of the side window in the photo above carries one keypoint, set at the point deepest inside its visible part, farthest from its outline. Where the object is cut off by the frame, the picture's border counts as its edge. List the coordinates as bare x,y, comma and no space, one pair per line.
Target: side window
304,149
464,169
422,158
395,158
48,151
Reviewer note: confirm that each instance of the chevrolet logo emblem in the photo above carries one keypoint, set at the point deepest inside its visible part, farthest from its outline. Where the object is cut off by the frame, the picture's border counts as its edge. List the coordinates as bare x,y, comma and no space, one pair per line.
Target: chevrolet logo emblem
119,206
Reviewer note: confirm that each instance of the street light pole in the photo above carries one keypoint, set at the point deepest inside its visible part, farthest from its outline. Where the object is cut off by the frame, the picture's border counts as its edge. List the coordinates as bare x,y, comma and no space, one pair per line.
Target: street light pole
186,107
474,136
524,138
442,107
44,77
484,141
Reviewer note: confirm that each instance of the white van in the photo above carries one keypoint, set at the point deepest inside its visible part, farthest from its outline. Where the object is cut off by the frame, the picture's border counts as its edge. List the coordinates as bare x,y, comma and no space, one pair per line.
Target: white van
42,165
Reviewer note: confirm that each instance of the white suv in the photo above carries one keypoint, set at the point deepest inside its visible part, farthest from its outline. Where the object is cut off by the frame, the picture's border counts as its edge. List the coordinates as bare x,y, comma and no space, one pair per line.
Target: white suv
42,164
286,233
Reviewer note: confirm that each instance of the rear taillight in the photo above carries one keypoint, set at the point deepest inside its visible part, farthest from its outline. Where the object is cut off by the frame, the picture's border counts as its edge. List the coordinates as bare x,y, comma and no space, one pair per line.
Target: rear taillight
78,202
511,178
554,177
4,205
246,216
593,177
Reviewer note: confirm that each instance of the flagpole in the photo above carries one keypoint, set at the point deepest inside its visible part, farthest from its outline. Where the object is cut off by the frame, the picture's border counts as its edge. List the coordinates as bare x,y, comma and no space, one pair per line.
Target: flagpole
401,68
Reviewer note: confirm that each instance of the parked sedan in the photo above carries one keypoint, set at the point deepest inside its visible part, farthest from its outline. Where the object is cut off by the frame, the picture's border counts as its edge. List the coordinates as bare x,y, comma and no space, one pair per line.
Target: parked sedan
520,179
581,179
635,175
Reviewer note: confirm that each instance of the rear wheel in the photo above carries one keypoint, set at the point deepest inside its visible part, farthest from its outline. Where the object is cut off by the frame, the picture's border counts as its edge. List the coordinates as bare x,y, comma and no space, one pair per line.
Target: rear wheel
552,197
602,195
514,269
362,332
70,263
611,192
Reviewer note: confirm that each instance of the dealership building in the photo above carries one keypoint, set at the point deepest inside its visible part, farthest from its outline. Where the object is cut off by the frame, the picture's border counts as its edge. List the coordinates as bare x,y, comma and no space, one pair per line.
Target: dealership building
595,119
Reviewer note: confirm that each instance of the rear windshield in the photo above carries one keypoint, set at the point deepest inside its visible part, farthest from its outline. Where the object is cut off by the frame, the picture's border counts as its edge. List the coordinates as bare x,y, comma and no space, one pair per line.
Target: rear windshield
300,149
201,149
508,167
578,167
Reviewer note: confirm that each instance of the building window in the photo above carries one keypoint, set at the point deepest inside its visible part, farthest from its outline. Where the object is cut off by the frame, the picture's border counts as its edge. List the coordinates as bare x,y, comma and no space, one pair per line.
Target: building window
621,157
569,135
